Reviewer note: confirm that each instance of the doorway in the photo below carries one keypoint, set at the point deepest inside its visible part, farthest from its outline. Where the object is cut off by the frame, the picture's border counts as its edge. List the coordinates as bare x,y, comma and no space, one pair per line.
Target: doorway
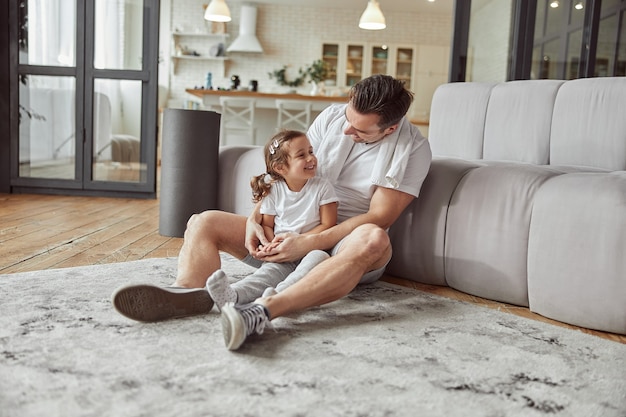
84,87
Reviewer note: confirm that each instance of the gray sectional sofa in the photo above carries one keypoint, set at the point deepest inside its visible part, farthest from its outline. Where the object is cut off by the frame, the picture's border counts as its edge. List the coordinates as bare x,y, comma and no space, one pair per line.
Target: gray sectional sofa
525,201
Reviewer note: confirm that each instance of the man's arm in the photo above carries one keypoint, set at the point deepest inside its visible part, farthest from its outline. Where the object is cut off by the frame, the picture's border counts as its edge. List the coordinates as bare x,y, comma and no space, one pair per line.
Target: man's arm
385,207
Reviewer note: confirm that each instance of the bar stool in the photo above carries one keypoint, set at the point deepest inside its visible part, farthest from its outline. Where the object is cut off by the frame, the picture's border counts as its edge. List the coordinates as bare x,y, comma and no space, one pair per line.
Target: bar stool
293,114
237,118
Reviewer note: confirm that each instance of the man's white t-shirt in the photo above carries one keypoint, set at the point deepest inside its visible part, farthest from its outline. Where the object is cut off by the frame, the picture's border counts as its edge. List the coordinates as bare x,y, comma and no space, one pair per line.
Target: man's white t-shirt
353,186
297,211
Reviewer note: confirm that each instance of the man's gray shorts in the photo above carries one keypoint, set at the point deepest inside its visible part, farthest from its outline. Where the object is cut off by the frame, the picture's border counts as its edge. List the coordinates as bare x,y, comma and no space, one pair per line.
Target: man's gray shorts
368,278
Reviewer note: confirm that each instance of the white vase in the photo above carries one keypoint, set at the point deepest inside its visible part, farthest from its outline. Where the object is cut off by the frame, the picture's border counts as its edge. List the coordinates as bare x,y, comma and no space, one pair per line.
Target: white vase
318,89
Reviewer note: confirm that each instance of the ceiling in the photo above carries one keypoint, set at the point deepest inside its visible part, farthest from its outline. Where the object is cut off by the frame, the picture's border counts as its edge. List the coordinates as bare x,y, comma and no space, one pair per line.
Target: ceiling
417,6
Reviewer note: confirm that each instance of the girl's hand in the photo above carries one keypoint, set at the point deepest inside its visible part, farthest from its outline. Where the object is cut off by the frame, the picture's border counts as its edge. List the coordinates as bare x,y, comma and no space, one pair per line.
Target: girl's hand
285,247
269,248
255,237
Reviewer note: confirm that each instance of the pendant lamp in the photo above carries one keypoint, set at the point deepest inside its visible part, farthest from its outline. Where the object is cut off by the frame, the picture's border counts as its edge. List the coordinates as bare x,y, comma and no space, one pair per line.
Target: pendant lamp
372,18
217,11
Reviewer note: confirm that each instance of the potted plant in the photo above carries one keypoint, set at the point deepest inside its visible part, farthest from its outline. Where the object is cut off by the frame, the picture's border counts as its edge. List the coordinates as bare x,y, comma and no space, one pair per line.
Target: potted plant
317,72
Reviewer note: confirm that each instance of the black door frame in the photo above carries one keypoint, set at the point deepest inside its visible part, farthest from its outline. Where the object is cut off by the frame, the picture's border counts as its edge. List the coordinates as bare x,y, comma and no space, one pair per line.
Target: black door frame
522,38
5,103
84,74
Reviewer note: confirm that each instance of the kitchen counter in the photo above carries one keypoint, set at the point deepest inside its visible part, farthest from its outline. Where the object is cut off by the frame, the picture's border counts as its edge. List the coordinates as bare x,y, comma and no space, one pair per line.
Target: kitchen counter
264,100
266,113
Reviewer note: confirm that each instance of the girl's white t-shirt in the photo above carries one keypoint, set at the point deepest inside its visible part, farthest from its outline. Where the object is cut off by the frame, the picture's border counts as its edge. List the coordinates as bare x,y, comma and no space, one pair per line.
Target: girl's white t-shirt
297,211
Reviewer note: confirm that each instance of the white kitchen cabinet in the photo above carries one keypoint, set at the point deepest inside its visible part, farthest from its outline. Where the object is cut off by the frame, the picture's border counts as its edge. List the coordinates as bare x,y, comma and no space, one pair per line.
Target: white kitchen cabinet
355,64
432,71
345,61
396,60
350,62
207,47
330,55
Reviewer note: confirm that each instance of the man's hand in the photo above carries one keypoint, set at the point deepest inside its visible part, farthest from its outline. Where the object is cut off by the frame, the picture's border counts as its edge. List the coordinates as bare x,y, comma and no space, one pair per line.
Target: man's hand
285,247
255,237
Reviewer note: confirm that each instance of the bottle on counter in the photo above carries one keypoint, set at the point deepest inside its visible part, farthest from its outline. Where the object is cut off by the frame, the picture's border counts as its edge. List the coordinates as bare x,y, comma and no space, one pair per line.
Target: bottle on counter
253,86
234,82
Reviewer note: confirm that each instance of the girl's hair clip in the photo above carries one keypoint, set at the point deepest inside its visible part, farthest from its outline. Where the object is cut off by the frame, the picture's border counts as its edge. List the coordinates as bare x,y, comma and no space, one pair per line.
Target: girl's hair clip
274,146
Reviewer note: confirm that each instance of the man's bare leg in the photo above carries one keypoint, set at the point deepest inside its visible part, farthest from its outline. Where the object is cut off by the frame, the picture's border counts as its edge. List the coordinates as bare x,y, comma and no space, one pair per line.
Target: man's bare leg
207,233
366,249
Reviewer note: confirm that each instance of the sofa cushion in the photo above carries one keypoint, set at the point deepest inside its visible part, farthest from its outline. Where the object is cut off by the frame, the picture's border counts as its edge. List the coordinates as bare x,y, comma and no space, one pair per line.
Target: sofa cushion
457,121
587,127
518,121
576,259
486,243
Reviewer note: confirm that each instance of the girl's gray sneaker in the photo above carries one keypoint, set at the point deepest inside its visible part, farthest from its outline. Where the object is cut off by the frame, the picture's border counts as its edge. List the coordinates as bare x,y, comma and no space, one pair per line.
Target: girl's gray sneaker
240,321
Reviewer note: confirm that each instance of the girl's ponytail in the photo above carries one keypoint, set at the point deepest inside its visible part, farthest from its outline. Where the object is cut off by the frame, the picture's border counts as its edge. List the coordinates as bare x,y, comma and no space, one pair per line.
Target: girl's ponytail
260,187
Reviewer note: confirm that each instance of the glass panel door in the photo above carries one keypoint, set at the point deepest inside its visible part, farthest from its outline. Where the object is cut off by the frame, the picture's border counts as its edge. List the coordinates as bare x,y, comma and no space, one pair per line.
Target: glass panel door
47,90
117,131
558,39
47,135
620,69
118,34
117,97
488,46
47,32
122,122
611,50
87,103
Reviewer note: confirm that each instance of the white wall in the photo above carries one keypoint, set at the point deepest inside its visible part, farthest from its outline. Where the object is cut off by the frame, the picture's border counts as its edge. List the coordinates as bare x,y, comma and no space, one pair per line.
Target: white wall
290,36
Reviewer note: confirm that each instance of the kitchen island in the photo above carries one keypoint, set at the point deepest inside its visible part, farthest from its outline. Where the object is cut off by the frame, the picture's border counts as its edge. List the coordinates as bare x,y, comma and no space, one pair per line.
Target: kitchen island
264,100
266,114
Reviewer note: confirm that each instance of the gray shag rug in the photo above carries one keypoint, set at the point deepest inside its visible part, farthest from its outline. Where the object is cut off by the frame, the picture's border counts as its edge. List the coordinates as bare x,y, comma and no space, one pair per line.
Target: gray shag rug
384,350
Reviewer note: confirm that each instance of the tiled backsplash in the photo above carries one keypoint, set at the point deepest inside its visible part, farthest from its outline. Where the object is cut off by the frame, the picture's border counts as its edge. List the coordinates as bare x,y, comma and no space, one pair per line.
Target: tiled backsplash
291,36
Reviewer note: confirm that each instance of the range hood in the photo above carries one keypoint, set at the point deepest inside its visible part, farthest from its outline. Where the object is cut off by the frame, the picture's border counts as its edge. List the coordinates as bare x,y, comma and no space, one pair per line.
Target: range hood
246,41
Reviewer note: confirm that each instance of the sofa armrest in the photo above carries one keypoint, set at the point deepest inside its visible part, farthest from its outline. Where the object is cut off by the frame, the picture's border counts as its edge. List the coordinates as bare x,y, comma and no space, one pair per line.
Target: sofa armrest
236,165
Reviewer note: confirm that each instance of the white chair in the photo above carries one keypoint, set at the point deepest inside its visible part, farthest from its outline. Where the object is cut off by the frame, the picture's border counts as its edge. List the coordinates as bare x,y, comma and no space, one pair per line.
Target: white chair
237,118
293,114
123,148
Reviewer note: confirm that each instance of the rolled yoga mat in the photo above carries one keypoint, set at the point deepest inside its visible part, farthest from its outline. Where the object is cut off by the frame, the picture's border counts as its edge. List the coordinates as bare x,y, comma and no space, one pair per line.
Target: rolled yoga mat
189,157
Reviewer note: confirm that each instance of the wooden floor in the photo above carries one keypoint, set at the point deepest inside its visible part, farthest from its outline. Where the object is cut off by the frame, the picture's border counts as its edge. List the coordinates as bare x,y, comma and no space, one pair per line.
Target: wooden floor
43,232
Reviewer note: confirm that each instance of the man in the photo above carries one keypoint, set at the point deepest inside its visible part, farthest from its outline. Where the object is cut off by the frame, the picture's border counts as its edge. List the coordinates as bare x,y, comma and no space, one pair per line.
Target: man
377,162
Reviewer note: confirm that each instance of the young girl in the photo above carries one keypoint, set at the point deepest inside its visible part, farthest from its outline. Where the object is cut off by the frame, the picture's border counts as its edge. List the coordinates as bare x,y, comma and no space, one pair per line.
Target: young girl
293,200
